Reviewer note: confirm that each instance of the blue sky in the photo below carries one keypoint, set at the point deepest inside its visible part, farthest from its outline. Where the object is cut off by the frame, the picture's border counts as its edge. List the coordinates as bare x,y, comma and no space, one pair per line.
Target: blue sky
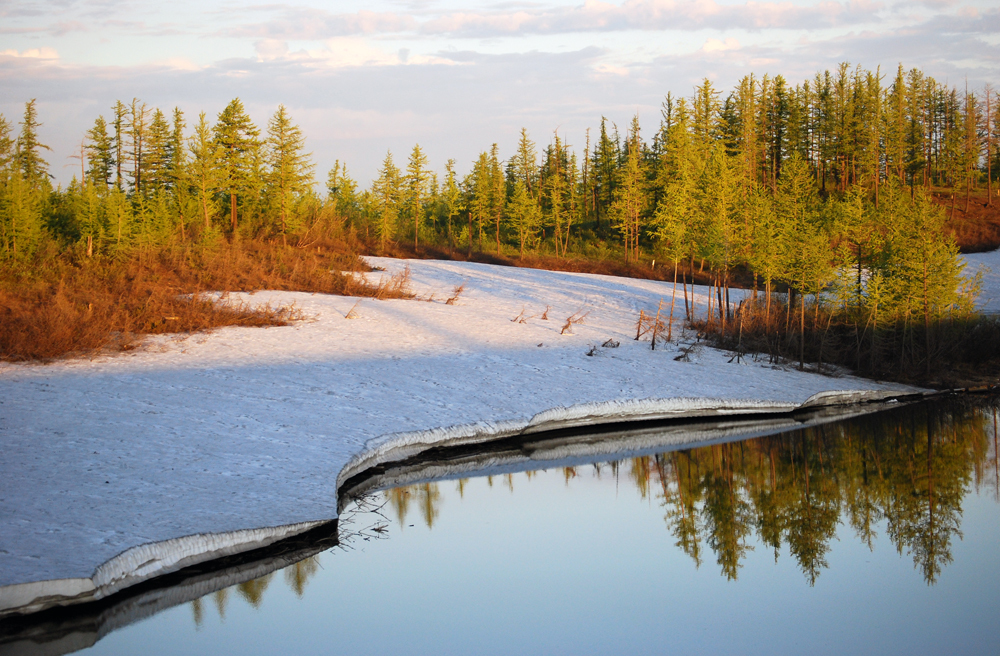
365,77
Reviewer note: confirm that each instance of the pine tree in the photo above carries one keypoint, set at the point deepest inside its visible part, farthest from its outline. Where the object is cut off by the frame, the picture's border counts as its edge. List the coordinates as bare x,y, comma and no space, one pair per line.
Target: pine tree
291,171
237,137
120,114
630,199
156,161
34,169
205,169
137,132
386,196
342,191
605,165
498,192
525,165
101,154
453,201
523,214
417,178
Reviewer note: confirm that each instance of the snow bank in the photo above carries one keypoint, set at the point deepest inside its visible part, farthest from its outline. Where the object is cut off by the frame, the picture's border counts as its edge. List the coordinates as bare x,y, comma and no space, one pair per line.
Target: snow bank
117,459
989,265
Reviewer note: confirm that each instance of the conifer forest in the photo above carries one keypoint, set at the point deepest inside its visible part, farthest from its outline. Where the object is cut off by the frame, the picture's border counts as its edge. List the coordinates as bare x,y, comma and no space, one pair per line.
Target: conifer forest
829,198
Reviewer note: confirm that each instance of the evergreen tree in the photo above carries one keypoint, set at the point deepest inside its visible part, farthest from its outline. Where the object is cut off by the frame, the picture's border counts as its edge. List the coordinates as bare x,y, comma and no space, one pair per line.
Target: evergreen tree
205,171
120,114
342,191
417,183
630,199
291,170
101,154
34,169
237,137
523,215
137,132
386,196
453,201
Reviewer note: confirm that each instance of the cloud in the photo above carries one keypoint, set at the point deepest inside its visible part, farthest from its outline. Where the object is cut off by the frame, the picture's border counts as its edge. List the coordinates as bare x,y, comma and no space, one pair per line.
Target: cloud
315,25
715,45
46,54
592,16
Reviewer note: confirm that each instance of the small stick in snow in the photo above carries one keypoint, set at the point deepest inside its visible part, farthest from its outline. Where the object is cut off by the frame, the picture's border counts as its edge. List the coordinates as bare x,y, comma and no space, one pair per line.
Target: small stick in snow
351,314
657,326
519,318
545,315
576,317
455,293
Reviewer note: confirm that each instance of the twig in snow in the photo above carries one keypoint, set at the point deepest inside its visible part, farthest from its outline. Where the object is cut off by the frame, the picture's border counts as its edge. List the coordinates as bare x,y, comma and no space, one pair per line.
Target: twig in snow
574,318
351,314
545,315
455,293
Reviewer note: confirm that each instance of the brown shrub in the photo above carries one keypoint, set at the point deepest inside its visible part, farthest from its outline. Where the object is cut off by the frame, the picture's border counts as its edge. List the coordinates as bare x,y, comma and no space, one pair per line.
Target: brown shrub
58,306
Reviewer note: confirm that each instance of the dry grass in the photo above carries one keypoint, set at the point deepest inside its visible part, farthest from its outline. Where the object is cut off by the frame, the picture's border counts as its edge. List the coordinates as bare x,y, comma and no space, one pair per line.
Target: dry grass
976,230
58,306
663,271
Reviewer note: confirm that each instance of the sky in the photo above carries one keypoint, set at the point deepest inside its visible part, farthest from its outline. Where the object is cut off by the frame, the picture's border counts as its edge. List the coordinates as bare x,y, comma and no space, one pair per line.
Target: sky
365,77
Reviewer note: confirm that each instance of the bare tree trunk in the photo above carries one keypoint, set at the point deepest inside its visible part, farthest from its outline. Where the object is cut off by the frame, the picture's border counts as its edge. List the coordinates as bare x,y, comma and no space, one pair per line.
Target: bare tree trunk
687,310
673,297
989,150
656,325
232,210
802,335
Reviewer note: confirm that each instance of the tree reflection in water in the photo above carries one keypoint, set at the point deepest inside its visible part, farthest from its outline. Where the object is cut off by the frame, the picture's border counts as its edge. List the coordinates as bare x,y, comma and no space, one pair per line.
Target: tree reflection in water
908,470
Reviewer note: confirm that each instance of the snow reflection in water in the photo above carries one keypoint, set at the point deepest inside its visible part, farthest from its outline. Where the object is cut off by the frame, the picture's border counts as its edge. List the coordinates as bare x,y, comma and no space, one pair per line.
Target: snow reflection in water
876,534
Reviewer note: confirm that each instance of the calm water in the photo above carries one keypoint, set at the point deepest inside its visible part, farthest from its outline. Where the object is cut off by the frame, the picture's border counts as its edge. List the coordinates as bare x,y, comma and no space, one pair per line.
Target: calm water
876,535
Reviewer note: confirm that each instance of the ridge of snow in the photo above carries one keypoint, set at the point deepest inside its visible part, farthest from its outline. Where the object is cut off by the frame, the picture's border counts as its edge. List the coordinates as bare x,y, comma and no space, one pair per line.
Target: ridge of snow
140,564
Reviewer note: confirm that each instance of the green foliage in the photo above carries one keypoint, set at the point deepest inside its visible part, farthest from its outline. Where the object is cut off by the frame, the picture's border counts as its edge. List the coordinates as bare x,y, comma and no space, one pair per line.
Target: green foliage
291,170
239,155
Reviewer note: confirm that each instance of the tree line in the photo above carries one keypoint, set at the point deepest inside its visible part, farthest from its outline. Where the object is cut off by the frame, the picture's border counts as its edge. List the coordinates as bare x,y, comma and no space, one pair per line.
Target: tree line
820,187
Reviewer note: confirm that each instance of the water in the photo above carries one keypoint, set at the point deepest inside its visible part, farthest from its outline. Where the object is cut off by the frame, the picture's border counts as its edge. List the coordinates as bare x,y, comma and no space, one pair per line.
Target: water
874,535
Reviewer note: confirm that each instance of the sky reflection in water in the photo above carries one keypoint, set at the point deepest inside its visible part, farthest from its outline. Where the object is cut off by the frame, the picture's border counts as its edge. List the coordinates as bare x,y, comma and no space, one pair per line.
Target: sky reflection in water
864,536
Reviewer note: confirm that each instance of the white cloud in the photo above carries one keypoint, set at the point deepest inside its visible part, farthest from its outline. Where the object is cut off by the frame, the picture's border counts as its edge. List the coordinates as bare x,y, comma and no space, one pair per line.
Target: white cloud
48,54
715,45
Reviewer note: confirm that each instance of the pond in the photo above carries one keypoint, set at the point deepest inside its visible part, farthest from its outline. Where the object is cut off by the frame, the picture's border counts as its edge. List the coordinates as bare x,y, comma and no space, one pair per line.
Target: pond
877,534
